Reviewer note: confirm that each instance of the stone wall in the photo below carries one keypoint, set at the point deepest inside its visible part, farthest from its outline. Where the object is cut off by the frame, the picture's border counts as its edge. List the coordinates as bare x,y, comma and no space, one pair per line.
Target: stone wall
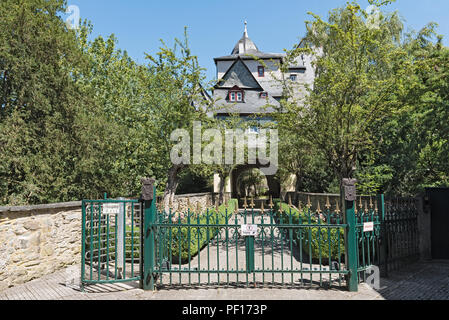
38,240
180,203
205,200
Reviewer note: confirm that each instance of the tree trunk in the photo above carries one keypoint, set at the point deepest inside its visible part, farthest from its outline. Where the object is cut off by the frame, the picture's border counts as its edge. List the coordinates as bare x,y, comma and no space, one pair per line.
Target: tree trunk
171,186
221,189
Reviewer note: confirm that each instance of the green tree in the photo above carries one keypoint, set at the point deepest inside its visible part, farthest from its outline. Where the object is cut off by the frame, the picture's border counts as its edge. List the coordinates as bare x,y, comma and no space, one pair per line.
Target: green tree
413,142
172,100
39,103
117,84
360,71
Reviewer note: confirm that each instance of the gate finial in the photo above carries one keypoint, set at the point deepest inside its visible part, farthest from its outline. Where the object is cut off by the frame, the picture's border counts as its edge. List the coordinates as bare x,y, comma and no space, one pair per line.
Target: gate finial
245,204
337,207
309,204
252,205
328,204
271,205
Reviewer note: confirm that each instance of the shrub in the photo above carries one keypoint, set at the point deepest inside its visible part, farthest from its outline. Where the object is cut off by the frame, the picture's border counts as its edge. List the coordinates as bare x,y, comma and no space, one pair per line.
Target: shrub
314,238
199,236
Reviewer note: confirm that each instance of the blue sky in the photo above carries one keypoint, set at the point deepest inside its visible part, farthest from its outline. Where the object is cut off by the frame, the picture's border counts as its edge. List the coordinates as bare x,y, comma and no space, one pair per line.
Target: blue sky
214,26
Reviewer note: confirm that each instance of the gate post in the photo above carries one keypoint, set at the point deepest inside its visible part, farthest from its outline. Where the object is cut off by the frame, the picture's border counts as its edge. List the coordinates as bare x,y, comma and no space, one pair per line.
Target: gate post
351,238
384,235
149,217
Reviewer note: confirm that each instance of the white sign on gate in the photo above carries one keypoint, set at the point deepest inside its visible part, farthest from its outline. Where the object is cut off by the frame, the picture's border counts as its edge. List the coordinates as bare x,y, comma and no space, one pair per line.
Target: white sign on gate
249,230
111,208
368,226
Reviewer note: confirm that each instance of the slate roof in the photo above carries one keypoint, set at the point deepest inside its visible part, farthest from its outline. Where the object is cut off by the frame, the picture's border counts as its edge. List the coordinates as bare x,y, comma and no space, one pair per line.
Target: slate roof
238,75
245,49
250,56
245,45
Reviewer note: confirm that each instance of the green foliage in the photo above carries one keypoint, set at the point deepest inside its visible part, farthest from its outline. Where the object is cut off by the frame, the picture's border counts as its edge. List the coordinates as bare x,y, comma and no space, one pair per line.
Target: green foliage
360,71
192,182
179,235
79,118
250,183
377,108
315,240
132,241
412,143
45,120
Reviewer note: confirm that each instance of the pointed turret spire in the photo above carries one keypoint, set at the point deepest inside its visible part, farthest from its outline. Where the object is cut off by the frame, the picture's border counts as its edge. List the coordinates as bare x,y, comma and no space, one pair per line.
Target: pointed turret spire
245,44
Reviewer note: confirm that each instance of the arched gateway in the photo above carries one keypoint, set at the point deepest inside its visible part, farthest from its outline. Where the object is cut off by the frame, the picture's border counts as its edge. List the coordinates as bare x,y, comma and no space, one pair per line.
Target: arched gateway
247,83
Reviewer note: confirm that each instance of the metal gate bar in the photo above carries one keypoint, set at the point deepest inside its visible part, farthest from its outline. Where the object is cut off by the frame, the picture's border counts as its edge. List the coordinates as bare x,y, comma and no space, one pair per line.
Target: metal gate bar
185,242
110,241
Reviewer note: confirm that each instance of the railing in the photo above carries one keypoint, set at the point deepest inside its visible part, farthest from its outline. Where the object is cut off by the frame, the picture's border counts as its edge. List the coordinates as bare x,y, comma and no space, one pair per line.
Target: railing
282,245
401,232
292,247
368,234
111,241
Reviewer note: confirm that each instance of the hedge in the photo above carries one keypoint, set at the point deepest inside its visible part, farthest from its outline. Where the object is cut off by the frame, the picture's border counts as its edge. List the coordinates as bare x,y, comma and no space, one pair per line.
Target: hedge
318,239
179,235
135,243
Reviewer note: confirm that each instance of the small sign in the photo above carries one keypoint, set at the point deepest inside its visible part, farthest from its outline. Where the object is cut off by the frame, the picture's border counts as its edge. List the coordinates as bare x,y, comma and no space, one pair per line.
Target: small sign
111,208
368,226
249,230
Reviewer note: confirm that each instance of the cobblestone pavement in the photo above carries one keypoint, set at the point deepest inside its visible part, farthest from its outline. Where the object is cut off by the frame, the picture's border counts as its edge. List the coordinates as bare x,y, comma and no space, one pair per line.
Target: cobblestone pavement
420,281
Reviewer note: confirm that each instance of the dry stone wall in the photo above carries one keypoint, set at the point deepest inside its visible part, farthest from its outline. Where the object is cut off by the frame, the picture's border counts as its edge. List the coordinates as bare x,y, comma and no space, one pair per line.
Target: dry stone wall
38,240
204,200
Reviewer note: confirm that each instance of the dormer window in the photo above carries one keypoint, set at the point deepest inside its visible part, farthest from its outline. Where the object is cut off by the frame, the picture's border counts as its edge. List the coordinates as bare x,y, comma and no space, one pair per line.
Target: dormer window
235,95
261,71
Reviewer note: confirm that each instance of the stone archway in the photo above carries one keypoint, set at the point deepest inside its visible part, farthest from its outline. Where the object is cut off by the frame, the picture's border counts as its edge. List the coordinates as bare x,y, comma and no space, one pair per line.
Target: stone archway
274,185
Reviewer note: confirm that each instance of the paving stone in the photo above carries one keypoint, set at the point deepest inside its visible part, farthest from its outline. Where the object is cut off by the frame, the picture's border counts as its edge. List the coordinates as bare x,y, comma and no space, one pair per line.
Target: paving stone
420,281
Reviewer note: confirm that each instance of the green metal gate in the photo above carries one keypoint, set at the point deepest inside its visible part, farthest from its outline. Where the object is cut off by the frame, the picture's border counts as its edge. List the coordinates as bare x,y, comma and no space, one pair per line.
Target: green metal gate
111,241
400,227
293,246
283,245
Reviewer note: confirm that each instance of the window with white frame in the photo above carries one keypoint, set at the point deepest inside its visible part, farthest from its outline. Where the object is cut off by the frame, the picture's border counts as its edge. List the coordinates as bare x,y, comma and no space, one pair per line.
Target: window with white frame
236,96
